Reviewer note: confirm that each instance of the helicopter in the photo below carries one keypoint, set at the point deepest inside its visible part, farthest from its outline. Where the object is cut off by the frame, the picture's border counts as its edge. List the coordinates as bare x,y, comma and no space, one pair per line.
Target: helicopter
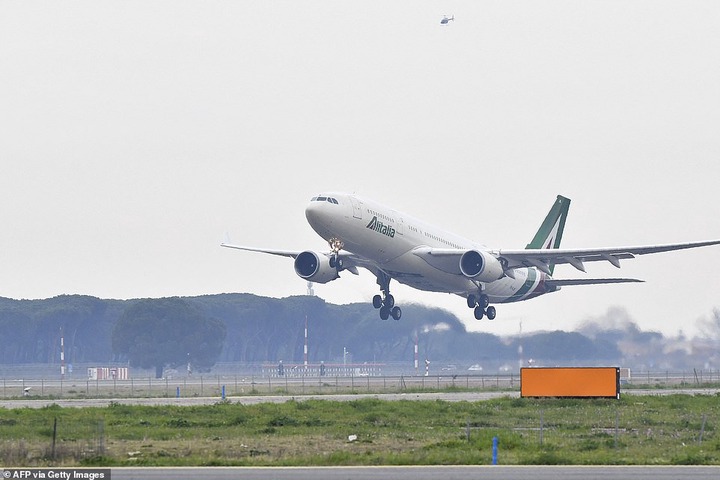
447,19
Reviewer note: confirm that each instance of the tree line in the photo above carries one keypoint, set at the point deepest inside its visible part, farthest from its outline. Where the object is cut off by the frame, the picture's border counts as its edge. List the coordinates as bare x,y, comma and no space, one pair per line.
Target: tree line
248,328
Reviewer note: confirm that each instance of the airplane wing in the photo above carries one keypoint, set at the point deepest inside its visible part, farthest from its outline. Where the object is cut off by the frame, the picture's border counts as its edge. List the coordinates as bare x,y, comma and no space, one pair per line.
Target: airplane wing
544,258
350,260
447,259
282,253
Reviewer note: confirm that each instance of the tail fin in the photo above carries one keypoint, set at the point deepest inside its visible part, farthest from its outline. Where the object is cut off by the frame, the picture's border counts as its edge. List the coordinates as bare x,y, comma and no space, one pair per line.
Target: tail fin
551,230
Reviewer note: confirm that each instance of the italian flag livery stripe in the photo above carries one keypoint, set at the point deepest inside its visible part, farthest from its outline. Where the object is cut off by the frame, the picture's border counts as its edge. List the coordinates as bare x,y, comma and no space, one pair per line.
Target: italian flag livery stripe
532,287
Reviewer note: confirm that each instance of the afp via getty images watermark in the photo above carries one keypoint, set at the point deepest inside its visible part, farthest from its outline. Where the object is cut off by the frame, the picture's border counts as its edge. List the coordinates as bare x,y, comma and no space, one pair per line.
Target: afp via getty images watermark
57,473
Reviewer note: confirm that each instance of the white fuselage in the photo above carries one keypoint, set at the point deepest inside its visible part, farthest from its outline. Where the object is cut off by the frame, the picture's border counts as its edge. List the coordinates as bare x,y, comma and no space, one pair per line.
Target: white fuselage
387,238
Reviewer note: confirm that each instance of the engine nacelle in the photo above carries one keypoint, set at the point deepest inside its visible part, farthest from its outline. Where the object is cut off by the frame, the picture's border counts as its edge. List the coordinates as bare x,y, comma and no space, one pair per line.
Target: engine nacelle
315,267
481,266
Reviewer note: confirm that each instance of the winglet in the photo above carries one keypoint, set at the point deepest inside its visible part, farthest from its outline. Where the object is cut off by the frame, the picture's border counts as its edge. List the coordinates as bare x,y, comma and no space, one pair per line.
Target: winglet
550,233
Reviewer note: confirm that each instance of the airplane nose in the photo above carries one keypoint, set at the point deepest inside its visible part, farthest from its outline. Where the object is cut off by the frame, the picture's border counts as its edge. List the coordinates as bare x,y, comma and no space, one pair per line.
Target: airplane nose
314,213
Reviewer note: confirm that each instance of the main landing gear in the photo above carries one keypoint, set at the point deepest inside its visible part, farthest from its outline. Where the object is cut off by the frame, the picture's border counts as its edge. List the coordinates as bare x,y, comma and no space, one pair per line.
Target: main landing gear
386,302
481,305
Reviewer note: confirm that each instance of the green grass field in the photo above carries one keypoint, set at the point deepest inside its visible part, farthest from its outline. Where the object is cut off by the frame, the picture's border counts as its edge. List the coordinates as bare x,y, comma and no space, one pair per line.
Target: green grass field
636,430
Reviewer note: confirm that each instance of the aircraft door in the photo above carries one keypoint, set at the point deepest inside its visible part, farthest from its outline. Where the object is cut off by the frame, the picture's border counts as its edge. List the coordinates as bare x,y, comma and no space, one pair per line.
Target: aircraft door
400,224
357,207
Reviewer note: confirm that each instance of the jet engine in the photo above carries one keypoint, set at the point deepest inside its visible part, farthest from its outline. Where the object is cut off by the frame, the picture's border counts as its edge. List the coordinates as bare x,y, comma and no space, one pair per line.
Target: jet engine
315,267
481,266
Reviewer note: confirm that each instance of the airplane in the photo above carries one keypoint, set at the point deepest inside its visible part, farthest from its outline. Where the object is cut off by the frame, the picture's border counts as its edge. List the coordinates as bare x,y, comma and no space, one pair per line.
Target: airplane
366,234
447,19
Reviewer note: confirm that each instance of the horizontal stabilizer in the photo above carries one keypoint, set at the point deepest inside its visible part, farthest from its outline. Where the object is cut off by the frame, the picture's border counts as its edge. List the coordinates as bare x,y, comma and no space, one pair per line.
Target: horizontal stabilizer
589,281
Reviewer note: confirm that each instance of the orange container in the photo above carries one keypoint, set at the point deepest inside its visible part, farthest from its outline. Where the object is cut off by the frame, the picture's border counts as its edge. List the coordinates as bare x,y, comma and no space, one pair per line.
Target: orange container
592,382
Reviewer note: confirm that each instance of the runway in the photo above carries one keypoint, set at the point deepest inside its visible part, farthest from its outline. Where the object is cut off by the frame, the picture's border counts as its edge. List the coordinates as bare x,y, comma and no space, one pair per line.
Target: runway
252,400
423,473
255,399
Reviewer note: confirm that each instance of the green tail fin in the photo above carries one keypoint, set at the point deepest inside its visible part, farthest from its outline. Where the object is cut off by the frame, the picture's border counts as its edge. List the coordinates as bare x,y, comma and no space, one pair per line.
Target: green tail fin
551,230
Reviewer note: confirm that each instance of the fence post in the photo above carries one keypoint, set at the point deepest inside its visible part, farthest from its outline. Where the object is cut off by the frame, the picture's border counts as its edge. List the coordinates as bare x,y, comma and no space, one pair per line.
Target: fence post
617,426
54,437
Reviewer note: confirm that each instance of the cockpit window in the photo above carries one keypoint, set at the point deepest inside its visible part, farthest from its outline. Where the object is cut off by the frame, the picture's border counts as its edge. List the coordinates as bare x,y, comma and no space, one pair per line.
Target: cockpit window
325,199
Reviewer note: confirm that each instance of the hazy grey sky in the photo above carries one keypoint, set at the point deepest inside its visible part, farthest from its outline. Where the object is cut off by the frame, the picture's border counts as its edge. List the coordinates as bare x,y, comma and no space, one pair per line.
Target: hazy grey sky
134,134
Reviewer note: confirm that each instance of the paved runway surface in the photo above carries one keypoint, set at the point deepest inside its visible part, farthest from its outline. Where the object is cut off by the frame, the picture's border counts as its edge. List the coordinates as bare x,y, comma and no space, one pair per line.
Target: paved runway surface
251,400
421,473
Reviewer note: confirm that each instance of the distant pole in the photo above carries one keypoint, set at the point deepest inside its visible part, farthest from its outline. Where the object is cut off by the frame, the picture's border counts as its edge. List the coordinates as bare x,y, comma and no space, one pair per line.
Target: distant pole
416,355
305,350
62,355
520,348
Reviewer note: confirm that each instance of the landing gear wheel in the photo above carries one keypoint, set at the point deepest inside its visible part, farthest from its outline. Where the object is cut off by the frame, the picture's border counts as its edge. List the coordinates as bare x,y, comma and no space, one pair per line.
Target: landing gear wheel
385,302
483,301
479,313
490,312
377,301
471,301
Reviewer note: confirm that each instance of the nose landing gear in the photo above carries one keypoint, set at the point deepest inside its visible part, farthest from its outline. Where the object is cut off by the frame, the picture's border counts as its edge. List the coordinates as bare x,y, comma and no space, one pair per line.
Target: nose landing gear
335,261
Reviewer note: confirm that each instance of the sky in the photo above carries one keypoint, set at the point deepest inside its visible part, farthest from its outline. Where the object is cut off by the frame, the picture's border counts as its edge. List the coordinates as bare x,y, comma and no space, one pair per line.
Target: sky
133,135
